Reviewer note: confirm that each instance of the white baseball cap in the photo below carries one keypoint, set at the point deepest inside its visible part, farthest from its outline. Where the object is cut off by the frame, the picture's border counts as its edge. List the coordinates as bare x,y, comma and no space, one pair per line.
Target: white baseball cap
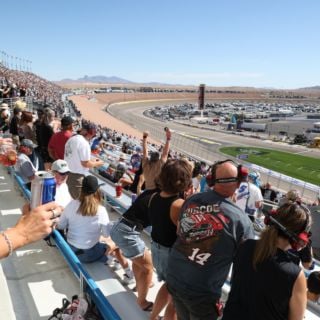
60,166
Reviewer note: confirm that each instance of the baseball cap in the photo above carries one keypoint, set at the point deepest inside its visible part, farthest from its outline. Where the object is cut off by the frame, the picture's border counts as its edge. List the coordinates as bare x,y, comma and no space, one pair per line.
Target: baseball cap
28,143
253,175
4,106
138,149
66,121
90,184
60,166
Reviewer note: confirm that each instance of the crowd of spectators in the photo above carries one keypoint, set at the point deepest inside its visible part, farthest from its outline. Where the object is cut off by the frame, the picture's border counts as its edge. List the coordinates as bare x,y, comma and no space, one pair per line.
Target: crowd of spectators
15,85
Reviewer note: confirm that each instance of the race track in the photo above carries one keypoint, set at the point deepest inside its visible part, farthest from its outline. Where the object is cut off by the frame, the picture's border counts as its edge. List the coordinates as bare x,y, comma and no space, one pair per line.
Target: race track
203,144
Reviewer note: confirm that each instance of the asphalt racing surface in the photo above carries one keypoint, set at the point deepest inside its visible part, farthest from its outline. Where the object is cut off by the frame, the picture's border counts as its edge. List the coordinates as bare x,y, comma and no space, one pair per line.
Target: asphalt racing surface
132,113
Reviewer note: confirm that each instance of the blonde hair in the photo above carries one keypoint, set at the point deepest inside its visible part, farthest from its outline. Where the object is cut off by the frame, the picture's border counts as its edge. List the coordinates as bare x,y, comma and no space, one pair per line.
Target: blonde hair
48,116
89,203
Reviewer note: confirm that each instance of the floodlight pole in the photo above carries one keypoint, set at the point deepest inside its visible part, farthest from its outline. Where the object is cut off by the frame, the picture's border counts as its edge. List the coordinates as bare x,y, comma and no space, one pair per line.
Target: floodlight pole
201,98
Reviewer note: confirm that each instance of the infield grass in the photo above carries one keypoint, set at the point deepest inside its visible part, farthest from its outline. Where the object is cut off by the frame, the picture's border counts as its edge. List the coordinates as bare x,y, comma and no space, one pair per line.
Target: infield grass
293,165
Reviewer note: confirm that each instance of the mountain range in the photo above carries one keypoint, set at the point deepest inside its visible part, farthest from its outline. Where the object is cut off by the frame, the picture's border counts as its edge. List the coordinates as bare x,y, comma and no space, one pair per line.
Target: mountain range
96,79
118,80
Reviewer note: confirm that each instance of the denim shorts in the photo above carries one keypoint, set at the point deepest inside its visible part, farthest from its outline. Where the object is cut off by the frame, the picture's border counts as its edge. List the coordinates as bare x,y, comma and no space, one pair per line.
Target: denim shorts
96,253
160,256
128,240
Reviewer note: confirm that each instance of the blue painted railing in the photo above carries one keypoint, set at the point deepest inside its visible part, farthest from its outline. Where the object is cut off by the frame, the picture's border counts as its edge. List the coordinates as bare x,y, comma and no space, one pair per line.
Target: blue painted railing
87,283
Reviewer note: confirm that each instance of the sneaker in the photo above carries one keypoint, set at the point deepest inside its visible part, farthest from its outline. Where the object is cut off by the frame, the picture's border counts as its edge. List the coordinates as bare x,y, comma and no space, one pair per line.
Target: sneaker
113,263
127,279
116,266
258,225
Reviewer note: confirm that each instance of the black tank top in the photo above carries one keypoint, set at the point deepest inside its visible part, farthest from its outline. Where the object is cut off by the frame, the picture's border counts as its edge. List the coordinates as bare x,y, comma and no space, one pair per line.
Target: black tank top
164,231
263,294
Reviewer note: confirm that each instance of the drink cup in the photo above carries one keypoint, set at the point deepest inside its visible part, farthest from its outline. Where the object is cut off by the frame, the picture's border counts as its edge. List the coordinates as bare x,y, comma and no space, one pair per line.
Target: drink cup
118,190
8,155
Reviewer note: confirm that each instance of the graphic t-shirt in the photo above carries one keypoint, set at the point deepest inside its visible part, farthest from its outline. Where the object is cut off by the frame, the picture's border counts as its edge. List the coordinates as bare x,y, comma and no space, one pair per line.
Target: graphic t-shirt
209,230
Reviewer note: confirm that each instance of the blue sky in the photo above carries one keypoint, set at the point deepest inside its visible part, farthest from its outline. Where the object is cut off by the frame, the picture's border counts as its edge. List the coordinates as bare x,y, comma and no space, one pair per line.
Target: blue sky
258,43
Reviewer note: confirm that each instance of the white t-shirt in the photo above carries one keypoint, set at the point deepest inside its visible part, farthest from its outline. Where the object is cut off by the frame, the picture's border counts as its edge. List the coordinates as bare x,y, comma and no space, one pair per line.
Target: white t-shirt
62,197
248,190
84,231
77,149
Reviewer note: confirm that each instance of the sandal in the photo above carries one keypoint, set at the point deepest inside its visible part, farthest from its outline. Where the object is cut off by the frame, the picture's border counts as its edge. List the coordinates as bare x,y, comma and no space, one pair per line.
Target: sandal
149,307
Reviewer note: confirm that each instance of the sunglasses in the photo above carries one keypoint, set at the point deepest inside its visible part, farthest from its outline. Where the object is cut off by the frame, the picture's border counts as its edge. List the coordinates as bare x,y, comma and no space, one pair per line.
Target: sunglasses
62,174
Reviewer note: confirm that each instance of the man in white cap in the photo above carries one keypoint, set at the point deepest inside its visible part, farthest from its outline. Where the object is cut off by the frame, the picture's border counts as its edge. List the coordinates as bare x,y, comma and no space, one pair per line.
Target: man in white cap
60,171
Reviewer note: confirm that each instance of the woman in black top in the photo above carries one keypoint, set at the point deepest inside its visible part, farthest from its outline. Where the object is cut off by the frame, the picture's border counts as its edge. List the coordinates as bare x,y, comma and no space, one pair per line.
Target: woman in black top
266,283
175,178
126,233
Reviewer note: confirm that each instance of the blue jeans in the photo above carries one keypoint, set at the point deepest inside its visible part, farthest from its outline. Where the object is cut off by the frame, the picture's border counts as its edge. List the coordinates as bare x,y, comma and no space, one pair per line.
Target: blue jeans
96,253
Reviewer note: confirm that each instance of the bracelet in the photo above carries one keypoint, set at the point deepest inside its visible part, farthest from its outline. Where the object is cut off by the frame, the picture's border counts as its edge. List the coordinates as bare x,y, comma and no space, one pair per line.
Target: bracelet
8,242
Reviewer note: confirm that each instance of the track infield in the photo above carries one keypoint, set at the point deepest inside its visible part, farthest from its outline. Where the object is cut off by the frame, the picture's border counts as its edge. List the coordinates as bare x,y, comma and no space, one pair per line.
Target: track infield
296,166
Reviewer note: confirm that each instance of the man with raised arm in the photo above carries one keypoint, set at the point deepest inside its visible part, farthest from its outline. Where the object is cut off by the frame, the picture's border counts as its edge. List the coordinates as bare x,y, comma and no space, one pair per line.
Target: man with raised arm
151,167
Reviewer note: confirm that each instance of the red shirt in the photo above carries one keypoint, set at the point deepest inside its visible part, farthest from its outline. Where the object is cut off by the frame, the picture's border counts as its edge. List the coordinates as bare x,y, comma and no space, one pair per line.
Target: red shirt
57,143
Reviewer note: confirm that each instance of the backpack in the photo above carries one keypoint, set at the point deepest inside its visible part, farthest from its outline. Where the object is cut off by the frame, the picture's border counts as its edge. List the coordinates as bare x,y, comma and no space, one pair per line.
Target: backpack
77,309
